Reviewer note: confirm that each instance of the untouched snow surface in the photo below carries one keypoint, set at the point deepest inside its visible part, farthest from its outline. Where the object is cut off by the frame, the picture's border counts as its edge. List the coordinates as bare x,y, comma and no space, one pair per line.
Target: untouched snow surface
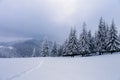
105,67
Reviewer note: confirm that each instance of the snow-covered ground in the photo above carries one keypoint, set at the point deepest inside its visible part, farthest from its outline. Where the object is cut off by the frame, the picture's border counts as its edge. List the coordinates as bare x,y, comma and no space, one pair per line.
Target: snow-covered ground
106,67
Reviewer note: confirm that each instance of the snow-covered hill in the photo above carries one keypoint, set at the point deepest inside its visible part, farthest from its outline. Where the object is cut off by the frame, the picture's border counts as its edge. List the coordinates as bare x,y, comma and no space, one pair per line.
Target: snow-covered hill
7,51
22,48
105,67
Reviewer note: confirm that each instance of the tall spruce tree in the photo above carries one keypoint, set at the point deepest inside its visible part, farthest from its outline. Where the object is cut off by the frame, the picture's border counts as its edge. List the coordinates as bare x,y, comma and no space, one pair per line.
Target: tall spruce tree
113,43
101,35
64,52
60,50
54,51
84,42
34,52
91,42
71,45
45,49
96,42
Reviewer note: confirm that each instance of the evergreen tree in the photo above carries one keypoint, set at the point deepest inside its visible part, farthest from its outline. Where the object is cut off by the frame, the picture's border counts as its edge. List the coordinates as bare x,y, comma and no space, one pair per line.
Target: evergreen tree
34,52
64,52
54,51
84,42
107,32
91,42
71,45
60,51
45,49
96,42
101,35
113,43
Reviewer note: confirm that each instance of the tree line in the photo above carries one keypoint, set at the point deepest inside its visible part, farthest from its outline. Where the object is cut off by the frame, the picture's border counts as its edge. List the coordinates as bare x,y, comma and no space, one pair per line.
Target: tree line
104,41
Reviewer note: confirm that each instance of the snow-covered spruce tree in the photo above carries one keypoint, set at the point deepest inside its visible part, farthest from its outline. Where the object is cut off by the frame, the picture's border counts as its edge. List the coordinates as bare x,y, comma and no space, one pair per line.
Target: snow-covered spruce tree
71,45
84,42
64,52
91,42
106,36
96,42
60,50
101,35
54,51
113,43
45,49
34,53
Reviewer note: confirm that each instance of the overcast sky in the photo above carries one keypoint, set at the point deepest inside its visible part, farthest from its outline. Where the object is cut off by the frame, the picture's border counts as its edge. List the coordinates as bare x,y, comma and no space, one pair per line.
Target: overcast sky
54,18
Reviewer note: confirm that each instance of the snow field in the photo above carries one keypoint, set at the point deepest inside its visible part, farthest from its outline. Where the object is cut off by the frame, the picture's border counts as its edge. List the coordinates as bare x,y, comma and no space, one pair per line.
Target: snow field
105,67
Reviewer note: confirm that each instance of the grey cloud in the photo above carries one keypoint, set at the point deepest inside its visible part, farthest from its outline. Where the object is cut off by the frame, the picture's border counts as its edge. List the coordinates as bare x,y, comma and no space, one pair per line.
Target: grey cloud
37,17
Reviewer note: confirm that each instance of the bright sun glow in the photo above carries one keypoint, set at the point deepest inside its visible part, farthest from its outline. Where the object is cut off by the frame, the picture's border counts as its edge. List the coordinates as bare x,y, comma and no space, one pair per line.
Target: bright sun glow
64,9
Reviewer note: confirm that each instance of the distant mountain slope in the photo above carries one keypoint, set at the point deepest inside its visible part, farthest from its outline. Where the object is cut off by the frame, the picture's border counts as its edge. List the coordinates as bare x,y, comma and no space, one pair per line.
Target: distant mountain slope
27,48
7,51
